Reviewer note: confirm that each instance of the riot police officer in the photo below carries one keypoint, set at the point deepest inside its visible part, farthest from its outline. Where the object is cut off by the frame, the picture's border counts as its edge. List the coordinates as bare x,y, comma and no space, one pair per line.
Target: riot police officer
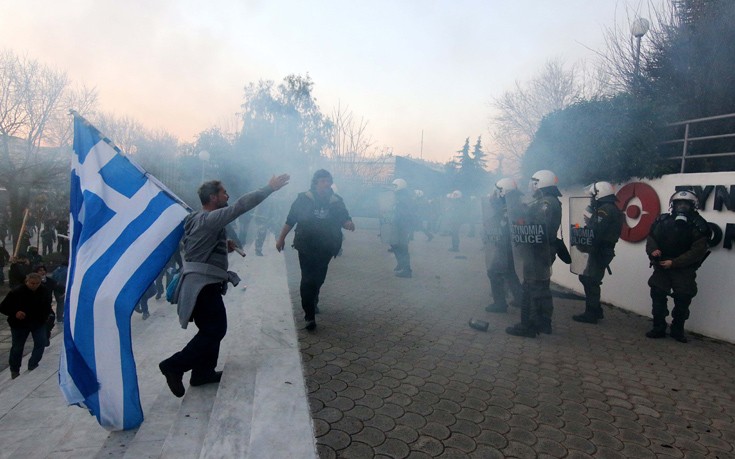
403,226
496,241
605,222
676,245
541,221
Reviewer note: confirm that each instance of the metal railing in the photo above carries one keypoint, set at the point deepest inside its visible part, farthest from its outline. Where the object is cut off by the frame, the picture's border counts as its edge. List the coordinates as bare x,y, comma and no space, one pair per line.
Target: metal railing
687,140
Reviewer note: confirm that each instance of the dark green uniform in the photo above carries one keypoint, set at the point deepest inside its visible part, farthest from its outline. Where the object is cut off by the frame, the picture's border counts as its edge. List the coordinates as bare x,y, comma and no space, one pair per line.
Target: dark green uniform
605,222
685,244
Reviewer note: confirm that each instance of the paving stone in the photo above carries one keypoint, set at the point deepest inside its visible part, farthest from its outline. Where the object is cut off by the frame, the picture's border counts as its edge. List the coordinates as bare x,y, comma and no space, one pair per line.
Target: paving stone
441,417
486,452
325,452
370,436
404,433
515,449
460,442
381,422
393,448
348,425
335,439
428,445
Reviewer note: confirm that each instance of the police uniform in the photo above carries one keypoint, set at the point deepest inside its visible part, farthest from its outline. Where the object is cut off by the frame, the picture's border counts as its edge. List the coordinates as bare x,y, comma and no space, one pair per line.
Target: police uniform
605,222
684,242
538,306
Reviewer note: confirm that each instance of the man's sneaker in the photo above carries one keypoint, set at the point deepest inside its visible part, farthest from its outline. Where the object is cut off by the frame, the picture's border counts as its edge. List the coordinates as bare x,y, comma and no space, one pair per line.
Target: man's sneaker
310,325
585,318
656,333
215,377
521,330
14,374
146,315
173,379
32,367
406,274
496,308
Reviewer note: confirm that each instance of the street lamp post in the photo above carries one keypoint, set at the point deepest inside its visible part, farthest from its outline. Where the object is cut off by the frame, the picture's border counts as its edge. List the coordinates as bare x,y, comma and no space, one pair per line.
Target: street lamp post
638,29
204,157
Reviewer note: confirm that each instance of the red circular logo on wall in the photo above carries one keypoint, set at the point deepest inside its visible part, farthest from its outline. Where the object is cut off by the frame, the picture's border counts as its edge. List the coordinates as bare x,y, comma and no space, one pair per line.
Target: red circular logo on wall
639,202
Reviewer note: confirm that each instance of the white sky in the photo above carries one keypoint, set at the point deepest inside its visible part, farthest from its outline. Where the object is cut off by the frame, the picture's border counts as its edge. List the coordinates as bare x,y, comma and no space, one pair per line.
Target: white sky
405,66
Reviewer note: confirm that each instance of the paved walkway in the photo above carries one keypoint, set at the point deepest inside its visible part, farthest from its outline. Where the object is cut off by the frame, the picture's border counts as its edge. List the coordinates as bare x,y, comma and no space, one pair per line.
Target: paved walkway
395,371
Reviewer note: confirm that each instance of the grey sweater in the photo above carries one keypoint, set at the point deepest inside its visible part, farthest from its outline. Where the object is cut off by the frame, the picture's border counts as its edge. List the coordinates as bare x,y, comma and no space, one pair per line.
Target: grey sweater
205,242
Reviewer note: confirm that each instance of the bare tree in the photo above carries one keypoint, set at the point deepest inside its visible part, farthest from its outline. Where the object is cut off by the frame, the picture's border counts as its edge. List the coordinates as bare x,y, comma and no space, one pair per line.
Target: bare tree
30,96
520,110
353,152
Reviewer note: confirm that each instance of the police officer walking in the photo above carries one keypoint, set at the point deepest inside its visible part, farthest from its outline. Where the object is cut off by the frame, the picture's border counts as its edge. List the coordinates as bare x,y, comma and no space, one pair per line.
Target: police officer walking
605,222
543,216
496,241
677,246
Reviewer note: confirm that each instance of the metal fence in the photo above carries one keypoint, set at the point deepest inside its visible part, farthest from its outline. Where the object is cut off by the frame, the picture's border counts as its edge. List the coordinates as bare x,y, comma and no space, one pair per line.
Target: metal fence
707,134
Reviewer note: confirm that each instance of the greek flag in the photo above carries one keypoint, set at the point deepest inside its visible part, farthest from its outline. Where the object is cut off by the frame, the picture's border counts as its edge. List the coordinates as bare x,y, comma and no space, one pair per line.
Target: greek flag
124,226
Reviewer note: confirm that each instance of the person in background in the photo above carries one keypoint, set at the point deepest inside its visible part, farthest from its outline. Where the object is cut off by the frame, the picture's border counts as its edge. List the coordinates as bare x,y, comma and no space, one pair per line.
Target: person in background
319,216
19,268
28,308
59,276
4,259
204,279
456,215
403,225
676,246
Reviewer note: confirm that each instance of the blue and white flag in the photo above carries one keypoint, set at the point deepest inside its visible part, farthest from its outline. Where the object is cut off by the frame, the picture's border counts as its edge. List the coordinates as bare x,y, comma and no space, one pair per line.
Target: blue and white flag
124,226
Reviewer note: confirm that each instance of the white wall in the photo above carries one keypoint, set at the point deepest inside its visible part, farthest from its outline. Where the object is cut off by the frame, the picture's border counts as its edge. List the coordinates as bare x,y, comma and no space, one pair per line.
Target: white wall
713,309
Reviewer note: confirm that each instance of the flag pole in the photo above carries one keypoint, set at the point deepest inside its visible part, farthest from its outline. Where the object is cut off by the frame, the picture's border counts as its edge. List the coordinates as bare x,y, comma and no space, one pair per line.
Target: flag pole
20,235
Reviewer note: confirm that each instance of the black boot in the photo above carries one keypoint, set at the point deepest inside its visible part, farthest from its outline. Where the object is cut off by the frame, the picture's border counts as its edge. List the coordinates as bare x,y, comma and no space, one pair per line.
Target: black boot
585,318
659,328
520,329
677,331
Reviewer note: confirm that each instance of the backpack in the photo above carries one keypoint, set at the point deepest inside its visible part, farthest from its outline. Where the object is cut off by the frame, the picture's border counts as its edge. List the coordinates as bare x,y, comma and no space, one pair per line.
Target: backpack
171,287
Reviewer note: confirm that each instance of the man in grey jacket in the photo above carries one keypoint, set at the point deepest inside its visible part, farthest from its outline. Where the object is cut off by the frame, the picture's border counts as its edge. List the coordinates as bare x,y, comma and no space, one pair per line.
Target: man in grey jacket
204,278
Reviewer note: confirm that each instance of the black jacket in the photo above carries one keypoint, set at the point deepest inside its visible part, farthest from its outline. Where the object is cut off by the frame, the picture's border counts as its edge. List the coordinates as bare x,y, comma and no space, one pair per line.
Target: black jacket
318,222
36,305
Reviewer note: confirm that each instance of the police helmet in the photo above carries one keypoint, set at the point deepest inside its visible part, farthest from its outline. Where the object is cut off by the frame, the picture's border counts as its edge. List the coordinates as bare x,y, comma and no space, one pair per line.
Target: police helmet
543,179
599,190
684,196
399,184
505,185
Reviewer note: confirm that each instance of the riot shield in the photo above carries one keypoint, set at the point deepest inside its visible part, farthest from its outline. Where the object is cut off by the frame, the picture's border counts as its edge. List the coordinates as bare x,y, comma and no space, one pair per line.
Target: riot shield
496,235
581,236
386,209
533,247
